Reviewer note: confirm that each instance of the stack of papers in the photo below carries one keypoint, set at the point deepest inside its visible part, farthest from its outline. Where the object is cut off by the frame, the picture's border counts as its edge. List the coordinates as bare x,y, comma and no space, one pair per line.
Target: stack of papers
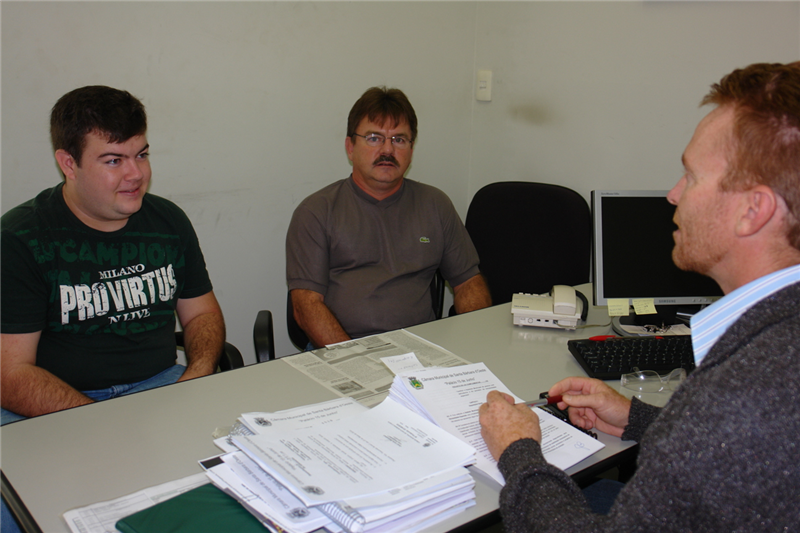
338,465
341,466
450,398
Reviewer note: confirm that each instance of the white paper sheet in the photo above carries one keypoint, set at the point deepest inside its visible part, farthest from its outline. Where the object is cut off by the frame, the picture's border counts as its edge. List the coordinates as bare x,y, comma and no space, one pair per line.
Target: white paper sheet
383,448
451,398
102,516
251,485
402,363
302,417
305,416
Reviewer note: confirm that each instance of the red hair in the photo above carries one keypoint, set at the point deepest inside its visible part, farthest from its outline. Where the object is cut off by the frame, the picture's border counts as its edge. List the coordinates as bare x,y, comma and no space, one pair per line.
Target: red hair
766,137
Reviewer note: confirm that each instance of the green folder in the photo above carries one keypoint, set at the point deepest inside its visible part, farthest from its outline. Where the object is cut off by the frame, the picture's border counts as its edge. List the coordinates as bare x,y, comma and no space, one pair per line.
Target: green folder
205,509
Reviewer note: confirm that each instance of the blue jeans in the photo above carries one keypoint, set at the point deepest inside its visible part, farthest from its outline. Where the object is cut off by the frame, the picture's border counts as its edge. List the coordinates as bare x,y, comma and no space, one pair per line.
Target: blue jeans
167,377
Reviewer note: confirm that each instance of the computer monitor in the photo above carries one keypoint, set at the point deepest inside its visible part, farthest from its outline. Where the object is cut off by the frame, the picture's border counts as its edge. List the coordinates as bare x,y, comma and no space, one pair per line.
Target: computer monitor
632,253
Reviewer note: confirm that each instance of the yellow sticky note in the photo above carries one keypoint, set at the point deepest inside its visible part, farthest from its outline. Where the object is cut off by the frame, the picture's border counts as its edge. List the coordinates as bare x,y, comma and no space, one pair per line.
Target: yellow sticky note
644,306
618,307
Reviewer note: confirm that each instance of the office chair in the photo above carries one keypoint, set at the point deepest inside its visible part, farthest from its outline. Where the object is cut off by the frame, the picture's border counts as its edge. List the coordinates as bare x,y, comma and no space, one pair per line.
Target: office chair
300,339
437,294
529,237
231,356
263,337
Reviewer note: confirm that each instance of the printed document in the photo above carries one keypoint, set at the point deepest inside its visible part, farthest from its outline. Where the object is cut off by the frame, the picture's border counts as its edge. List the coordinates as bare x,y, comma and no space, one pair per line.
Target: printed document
373,452
102,516
302,417
450,397
270,501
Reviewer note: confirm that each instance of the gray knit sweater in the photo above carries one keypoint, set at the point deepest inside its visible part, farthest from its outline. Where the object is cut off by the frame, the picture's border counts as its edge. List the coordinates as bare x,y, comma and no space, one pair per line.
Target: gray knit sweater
723,455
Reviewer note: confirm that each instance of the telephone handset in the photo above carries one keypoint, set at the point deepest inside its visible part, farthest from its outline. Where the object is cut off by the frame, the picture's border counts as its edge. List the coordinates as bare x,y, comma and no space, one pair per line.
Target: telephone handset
562,308
563,300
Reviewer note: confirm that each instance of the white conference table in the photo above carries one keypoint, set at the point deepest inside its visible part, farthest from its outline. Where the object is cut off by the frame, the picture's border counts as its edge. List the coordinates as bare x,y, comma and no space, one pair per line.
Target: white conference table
109,449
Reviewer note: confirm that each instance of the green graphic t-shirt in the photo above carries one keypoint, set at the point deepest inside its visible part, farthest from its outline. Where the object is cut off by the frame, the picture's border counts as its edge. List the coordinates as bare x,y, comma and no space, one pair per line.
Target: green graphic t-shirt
104,301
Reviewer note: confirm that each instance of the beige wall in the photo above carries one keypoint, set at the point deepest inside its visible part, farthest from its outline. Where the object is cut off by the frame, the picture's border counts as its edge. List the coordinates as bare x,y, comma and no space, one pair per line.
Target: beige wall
248,101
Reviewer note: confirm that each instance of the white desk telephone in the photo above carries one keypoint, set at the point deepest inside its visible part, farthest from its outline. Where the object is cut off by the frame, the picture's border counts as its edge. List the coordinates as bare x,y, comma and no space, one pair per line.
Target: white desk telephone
559,309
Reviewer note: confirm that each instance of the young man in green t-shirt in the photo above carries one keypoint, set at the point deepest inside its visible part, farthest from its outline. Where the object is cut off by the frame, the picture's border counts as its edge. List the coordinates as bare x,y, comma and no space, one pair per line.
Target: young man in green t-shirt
95,269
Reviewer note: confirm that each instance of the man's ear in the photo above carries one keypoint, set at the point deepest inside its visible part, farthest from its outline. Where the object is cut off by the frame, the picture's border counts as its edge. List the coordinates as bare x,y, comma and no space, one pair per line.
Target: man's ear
759,206
66,163
348,146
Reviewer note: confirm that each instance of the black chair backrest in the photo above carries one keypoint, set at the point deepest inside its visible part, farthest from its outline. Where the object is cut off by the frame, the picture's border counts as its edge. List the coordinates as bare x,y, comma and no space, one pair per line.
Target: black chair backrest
529,237
264,337
231,356
437,294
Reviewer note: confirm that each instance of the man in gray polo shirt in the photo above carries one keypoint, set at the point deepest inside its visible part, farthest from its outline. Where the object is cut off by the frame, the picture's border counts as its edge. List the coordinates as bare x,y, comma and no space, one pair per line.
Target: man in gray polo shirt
361,252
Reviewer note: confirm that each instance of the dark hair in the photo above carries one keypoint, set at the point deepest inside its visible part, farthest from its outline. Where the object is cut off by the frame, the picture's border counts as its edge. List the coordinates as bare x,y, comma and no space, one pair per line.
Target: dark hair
379,104
766,134
110,112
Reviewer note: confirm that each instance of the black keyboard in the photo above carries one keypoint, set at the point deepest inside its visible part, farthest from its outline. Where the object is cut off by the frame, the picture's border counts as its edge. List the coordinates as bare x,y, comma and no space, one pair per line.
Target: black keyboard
612,357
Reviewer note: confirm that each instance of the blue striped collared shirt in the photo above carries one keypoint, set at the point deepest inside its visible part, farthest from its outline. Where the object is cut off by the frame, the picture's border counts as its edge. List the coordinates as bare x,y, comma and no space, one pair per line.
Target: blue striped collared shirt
709,324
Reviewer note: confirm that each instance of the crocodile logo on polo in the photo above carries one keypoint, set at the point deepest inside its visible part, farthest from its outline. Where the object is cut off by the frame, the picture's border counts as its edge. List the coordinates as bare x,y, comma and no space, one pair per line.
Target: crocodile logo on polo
424,240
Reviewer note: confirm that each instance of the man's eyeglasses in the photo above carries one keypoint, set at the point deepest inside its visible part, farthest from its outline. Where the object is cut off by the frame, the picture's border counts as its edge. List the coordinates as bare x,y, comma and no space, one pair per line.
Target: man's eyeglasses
650,381
376,139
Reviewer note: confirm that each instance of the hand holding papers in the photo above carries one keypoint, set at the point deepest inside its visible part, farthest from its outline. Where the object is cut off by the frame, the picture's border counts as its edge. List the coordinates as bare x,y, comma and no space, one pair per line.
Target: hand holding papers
450,397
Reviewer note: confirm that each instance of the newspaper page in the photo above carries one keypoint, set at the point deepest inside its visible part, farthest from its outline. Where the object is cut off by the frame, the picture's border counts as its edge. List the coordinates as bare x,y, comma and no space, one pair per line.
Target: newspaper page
354,368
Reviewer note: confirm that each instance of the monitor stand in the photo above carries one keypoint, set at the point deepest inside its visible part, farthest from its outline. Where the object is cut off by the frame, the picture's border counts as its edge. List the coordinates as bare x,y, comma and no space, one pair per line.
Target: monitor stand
666,315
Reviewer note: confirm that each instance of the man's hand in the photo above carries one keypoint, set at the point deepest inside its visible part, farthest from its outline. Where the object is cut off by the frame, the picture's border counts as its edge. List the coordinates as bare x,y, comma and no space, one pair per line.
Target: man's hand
471,295
314,317
203,334
503,422
593,404
27,389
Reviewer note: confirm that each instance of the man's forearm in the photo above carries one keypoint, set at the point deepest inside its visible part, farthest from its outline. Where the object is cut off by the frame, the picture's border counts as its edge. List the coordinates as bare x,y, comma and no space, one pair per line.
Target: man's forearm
204,338
316,319
32,391
471,295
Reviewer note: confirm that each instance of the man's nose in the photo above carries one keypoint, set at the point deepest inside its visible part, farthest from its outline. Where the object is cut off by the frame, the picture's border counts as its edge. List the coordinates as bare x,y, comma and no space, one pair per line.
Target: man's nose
388,146
135,169
674,195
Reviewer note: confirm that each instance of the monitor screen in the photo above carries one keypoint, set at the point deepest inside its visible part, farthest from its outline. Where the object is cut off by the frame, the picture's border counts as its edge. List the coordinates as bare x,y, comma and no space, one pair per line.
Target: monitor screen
632,252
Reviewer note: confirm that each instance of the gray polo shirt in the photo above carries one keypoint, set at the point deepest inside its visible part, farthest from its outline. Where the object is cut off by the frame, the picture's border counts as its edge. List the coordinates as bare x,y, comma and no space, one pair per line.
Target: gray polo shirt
373,261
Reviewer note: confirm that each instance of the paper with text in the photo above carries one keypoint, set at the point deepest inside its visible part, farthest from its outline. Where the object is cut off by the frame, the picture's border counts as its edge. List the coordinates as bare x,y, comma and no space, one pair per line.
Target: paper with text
102,516
450,397
402,363
355,368
378,450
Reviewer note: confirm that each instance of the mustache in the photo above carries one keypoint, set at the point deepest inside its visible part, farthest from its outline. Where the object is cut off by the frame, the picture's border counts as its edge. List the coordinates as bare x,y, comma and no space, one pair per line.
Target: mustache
387,159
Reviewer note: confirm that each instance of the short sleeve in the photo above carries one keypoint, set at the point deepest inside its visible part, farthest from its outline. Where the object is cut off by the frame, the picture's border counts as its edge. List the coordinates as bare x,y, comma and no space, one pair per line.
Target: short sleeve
24,294
307,250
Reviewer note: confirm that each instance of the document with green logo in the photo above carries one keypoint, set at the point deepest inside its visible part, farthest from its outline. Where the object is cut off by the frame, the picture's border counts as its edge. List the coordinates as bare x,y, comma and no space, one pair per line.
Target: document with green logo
450,398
